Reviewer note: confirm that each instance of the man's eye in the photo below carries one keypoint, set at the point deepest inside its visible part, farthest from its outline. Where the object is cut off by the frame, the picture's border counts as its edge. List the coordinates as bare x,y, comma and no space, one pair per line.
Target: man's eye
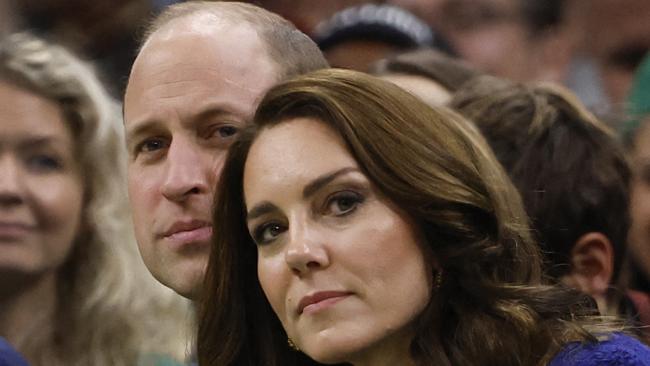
226,131
151,145
628,58
343,203
268,232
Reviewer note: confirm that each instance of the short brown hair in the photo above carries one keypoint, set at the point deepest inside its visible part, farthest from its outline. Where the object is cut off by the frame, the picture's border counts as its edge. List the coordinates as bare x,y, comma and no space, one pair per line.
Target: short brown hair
569,167
445,70
293,51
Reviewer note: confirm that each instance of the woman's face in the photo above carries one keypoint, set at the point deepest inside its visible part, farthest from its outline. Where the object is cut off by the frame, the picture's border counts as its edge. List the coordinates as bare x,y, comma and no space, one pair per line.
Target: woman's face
640,200
40,185
342,267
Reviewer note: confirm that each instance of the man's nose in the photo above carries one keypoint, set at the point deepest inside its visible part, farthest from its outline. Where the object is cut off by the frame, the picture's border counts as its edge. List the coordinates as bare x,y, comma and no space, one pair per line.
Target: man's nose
188,171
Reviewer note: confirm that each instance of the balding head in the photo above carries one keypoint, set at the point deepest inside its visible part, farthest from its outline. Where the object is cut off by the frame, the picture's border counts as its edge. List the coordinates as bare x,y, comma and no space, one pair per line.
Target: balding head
293,51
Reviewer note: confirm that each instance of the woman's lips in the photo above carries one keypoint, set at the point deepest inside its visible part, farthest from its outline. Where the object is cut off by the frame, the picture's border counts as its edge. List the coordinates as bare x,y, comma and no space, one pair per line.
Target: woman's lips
320,301
10,231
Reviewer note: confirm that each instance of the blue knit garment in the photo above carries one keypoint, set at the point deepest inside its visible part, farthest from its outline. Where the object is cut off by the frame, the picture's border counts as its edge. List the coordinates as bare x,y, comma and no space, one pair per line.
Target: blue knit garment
9,356
618,350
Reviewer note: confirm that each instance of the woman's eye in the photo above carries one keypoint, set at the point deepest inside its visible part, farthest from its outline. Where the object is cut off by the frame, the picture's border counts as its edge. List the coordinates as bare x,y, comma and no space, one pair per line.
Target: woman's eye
44,163
343,203
266,233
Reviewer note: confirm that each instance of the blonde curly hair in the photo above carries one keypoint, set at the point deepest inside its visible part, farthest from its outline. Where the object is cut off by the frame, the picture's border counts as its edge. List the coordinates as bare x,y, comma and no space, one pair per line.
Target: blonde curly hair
110,310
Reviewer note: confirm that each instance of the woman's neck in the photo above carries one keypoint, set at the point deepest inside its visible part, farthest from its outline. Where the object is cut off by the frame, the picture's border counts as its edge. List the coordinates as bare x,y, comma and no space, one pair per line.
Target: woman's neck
28,312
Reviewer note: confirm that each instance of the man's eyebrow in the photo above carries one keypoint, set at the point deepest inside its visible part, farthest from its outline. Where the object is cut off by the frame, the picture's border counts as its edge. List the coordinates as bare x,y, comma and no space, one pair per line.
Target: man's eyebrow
323,180
139,128
217,109
261,209
209,110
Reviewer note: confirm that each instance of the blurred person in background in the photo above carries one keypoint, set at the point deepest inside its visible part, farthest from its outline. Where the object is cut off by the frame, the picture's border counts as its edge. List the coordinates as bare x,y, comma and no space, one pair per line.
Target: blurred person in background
104,31
7,17
427,10
356,37
195,83
307,14
426,73
516,39
592,46
571,172
74,290
610,36
637,138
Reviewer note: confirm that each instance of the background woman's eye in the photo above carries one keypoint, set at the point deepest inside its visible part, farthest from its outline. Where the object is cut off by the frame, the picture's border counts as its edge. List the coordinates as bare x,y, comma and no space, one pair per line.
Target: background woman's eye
344,203
266,233
43,163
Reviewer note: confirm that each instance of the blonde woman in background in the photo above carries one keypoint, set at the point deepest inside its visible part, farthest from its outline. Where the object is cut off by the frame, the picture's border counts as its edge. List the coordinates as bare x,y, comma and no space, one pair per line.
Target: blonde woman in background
74,290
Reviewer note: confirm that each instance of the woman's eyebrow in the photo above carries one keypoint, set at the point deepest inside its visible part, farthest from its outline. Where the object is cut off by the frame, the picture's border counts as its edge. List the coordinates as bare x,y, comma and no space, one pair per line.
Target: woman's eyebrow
321,181
261,209
40,141
265,207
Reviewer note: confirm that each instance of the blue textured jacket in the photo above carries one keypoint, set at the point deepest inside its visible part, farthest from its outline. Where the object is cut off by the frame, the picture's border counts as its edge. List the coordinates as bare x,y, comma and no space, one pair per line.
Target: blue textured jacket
618,350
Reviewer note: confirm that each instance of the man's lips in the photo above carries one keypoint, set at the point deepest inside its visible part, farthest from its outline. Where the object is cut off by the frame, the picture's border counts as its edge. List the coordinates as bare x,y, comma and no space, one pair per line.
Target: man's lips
320,300
189,232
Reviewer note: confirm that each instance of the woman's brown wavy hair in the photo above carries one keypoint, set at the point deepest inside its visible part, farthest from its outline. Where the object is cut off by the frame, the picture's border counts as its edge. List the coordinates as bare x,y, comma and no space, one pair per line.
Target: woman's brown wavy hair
492,308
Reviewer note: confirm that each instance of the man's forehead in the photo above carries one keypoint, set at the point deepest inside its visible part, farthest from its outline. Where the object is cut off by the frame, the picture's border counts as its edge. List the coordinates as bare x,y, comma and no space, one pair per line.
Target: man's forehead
202,65
208,34
197,24
201,39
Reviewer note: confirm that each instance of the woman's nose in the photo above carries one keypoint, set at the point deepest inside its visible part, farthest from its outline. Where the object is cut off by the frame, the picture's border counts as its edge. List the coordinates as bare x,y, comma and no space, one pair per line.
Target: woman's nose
11,185
307,248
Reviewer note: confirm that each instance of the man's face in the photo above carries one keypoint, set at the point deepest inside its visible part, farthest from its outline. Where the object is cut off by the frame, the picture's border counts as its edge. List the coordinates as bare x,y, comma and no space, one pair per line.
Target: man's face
617,35
491,35
193,86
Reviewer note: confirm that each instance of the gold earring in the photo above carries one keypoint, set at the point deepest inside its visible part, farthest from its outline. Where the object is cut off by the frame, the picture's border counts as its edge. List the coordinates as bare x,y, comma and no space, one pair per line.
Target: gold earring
292,345
437,281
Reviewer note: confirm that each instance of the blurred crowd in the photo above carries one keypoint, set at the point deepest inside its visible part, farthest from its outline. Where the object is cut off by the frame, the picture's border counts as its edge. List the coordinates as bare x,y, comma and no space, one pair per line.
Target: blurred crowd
560,90
593,47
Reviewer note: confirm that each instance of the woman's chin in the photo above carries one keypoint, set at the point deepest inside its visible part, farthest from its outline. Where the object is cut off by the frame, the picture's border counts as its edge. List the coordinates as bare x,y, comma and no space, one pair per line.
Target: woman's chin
332,351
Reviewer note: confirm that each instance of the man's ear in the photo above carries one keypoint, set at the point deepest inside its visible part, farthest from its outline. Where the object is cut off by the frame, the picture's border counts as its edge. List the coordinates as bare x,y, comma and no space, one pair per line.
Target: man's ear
592,266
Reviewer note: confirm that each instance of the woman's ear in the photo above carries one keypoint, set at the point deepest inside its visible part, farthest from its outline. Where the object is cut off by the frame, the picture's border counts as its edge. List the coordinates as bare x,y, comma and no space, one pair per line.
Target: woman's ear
592,266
